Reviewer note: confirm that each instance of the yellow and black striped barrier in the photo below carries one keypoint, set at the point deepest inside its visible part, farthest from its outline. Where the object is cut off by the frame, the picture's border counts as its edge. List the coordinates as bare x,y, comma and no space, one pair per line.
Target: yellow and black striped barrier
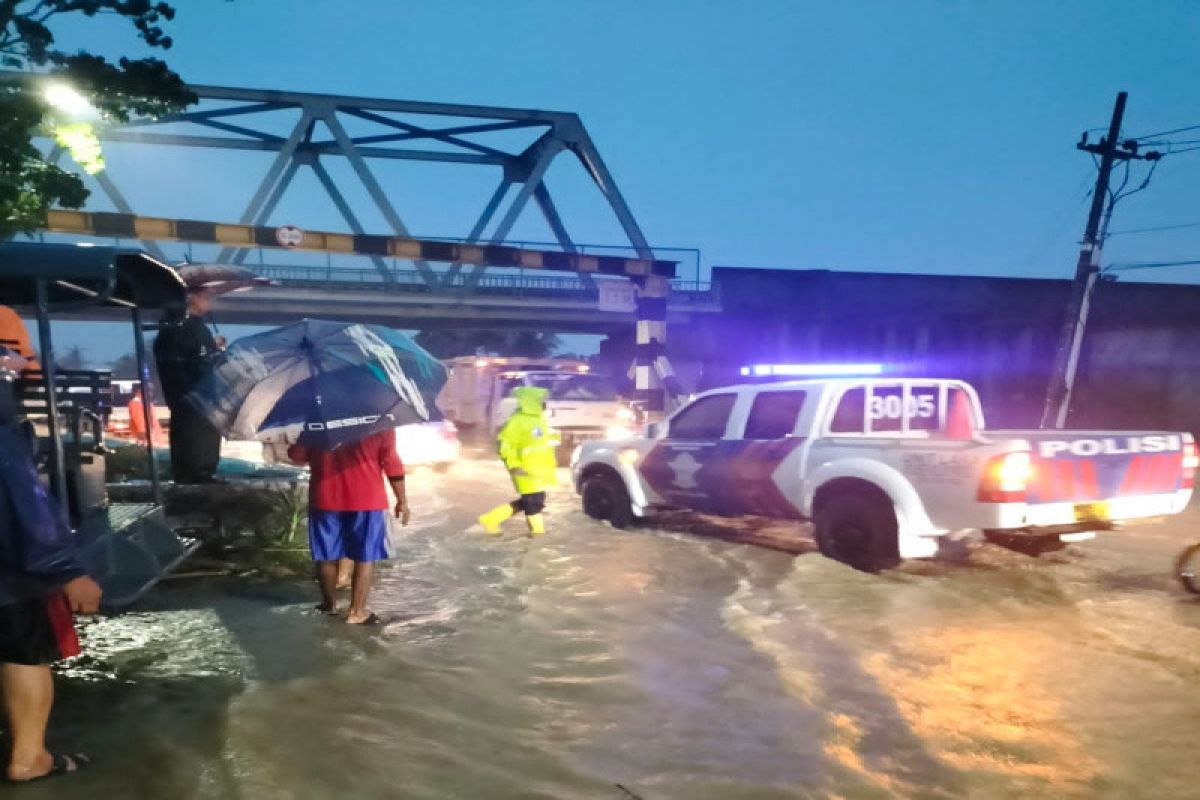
131,226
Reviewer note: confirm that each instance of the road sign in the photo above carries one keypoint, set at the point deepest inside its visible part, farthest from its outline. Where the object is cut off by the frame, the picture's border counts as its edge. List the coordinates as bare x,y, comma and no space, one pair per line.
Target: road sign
617,295
289,236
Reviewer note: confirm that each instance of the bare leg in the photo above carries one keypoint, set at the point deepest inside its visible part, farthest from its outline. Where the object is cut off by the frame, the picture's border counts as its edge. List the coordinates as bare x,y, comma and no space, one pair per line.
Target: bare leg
28,696
364,574
345,573
327,575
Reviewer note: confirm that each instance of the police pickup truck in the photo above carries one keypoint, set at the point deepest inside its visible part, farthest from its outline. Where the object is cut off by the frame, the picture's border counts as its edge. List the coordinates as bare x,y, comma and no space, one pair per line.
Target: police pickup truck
883,468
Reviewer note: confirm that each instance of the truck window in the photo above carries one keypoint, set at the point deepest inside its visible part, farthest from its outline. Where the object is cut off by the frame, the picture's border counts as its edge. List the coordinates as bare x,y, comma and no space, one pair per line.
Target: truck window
577,387
704,419
773,415
849,415
887,409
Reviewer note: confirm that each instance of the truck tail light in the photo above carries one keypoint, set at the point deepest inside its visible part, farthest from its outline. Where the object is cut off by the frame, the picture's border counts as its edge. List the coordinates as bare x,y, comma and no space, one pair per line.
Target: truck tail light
1006,478
1191,461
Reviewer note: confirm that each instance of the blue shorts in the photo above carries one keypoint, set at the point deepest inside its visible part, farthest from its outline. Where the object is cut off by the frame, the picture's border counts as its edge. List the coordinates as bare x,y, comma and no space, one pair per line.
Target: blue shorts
357,535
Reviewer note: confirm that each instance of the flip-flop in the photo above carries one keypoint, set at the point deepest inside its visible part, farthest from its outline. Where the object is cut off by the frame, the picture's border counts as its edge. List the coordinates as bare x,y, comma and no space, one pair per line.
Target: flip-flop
60,764
373,619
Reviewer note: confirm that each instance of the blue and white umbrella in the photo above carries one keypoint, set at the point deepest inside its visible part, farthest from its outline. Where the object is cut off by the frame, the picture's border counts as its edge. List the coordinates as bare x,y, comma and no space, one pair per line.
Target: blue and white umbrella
320,384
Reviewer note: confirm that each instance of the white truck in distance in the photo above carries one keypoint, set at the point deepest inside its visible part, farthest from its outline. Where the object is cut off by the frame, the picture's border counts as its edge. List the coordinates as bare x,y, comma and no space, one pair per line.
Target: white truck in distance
579,405
883,468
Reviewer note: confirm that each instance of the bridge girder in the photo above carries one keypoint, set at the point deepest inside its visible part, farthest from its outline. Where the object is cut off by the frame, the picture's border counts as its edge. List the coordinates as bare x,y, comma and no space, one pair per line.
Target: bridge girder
400,127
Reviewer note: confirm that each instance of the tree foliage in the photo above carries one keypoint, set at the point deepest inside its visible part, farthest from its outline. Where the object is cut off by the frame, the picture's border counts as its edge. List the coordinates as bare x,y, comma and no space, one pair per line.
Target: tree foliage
73,359
29,185
124,368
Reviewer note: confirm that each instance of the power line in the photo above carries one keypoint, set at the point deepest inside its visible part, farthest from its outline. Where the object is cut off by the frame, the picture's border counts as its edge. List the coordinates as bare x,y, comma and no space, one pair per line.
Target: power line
1157,229
1177,152
1149,265
1168,133
1160,142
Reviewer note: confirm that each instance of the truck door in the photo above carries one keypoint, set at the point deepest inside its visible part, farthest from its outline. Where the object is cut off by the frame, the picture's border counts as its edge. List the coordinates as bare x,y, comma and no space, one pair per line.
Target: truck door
681,467
749,463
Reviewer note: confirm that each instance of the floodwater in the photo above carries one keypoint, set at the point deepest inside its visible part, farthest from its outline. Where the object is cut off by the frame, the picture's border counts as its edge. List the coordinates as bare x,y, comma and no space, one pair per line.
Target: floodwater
650,664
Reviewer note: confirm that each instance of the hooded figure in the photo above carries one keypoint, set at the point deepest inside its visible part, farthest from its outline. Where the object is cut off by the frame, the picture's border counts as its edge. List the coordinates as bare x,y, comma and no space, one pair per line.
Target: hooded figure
183,349
527,446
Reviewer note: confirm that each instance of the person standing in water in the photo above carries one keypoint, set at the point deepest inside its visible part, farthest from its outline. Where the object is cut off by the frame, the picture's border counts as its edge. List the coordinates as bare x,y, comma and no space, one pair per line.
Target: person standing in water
43,583
527,446
347,515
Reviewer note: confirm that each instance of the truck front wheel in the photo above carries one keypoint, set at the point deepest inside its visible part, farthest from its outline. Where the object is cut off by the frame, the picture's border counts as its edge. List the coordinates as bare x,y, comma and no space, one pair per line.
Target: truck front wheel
605,498
858,530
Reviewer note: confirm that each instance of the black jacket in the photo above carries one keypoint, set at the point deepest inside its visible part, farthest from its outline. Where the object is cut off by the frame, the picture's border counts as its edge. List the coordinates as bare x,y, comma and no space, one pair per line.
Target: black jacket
182,350
38,551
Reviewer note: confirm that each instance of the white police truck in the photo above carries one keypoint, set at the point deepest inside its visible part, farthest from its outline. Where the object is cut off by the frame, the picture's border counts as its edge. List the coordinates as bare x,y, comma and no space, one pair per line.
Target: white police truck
883,468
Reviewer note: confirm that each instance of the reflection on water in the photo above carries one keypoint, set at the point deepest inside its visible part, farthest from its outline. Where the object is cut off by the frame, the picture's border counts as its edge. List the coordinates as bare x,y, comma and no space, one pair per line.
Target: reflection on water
602,664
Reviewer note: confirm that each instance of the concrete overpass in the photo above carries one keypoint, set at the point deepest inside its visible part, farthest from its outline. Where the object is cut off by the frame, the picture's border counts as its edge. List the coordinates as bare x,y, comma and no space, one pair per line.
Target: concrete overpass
559,304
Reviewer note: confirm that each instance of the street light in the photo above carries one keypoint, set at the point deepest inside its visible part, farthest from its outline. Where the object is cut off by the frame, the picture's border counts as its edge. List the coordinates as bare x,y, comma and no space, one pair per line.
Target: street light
70,102
72,126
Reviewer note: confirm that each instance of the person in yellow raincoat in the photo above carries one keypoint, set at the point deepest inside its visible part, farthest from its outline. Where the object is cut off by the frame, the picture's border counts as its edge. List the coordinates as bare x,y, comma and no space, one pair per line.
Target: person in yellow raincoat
527,447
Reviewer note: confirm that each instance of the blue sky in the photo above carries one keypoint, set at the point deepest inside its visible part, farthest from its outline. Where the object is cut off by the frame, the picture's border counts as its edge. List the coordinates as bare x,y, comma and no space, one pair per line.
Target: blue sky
860,135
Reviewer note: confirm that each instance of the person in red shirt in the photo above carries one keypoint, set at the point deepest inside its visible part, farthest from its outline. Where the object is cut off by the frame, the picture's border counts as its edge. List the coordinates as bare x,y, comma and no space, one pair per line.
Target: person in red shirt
347,508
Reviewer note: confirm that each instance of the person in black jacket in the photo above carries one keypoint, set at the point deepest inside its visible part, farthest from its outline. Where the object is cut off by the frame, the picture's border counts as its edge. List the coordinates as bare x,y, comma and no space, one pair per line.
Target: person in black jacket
182,350
42,584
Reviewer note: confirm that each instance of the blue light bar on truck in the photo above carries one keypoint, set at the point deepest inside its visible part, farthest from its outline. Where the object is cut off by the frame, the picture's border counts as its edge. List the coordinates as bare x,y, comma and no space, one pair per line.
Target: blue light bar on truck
811,370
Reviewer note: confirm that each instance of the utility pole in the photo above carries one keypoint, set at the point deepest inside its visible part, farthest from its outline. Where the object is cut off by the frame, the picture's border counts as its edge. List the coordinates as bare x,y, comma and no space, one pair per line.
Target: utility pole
1087,268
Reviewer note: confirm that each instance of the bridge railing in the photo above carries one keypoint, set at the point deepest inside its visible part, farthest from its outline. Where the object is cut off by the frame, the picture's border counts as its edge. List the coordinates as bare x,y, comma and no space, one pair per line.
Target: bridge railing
411,281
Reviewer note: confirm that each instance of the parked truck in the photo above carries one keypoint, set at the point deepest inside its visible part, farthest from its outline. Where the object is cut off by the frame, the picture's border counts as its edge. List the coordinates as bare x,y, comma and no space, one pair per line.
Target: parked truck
884,468
580,405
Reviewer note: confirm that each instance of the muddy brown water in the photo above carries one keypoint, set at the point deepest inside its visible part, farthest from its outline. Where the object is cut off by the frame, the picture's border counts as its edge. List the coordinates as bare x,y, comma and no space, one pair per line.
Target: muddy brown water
650,663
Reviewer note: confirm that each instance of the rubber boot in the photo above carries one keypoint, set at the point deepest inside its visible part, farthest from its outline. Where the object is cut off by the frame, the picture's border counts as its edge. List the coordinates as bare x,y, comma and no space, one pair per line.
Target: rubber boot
537,525
492,520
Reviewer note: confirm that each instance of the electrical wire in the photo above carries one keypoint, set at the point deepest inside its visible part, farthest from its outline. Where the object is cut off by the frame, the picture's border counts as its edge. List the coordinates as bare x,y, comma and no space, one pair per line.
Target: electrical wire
1149,265
1053,228
1157,229
1160,142
1168,133
1177,152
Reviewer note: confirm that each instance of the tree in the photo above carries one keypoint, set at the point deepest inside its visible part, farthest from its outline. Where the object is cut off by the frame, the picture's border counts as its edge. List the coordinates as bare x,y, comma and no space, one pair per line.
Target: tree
73,359
125,368
448,343
29,184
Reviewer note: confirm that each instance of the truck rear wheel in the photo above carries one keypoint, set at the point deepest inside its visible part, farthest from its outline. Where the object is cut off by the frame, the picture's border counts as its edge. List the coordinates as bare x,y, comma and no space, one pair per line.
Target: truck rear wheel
858,530
605,498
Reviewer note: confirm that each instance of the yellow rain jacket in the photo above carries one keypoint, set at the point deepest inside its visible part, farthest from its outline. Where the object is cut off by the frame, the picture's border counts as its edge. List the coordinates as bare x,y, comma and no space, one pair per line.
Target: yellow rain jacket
527,443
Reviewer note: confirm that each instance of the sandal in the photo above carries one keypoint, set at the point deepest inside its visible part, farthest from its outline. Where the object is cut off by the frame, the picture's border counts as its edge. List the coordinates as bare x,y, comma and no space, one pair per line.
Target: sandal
60,764
372,619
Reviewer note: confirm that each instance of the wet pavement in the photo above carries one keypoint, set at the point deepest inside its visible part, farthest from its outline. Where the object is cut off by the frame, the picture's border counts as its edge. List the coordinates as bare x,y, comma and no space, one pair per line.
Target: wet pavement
652,663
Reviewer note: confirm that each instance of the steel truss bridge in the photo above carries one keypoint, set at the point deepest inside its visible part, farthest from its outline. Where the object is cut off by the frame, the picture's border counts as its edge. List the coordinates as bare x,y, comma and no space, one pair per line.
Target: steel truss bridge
303,131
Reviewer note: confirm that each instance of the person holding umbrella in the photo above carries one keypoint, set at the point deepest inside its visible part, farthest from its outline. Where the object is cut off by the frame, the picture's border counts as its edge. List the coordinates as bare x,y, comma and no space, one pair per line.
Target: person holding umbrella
336,392
182,349
347,515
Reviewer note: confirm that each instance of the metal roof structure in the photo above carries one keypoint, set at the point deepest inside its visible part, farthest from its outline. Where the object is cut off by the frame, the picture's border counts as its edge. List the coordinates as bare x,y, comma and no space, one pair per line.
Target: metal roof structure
77,274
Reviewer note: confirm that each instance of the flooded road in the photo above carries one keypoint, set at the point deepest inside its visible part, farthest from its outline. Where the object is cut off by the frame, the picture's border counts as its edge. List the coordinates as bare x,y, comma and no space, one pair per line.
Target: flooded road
651,664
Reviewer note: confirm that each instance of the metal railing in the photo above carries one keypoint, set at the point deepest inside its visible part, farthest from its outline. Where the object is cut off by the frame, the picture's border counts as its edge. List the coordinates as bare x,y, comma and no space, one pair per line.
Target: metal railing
331,271
411,281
